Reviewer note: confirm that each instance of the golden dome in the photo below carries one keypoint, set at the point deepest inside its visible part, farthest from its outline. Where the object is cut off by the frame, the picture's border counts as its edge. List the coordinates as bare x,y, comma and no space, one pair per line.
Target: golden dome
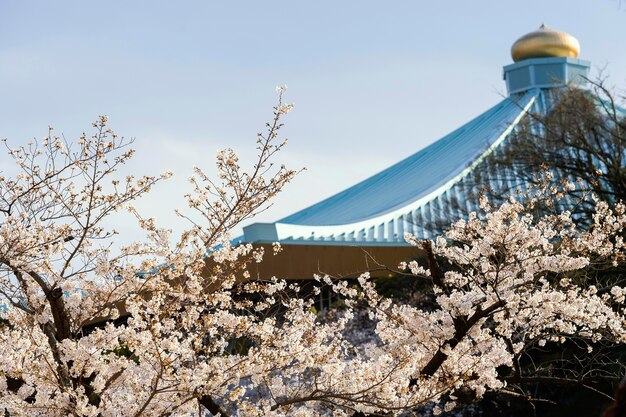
545,42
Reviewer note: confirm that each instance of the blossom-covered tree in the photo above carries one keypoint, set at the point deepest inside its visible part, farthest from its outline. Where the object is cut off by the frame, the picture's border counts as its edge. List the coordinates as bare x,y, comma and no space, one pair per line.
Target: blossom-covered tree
152,329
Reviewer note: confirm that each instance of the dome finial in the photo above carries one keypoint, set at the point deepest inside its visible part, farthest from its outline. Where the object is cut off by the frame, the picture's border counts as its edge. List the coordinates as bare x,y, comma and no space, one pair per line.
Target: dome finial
543,43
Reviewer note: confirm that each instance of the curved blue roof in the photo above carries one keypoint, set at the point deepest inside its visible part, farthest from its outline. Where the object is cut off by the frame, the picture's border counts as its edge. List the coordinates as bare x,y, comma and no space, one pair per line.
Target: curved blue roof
418,175
431,185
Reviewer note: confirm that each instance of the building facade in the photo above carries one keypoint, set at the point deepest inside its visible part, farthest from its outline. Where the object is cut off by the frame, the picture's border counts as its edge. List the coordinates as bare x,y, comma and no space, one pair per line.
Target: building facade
426,190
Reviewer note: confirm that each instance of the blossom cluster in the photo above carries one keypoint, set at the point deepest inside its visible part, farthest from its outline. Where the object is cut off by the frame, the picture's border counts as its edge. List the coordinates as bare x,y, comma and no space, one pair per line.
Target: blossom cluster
159,330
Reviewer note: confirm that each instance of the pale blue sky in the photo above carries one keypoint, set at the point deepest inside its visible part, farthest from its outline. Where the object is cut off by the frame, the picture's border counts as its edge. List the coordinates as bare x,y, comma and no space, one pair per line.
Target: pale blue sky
373,81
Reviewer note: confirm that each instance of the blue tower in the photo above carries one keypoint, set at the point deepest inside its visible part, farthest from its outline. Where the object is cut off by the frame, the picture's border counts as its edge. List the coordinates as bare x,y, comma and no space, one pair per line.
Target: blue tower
431,185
